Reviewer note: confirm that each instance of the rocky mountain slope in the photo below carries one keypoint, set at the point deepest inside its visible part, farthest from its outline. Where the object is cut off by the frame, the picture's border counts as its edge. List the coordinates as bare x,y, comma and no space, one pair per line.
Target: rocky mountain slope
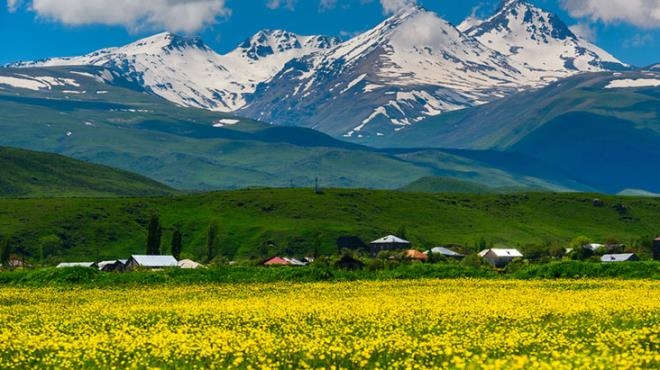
411,66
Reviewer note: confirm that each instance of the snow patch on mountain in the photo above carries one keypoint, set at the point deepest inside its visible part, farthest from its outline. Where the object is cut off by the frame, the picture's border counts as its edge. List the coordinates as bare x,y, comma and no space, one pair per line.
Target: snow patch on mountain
36,83
627,83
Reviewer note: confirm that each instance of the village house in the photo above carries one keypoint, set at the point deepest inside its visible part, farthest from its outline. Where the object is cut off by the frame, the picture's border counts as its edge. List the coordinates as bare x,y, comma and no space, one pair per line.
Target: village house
415,255
114,265
189,264
500,257
76,264
283,261
446,252
388,243
621,257
150,262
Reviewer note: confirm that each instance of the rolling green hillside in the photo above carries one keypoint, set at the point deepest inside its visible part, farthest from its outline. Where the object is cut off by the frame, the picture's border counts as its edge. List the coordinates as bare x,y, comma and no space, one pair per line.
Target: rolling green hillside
200,150
603,138
441,184
505,122
33,174
261,222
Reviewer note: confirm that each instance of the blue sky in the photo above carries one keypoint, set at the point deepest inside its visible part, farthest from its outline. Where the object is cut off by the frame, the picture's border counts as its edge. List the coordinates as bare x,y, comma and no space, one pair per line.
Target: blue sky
34,29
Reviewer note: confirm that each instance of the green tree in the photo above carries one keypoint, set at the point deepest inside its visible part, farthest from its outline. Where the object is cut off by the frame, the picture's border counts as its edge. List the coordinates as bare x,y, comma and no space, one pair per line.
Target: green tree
177,243
401,233
5,251
49,245
578,250
211,241
154,234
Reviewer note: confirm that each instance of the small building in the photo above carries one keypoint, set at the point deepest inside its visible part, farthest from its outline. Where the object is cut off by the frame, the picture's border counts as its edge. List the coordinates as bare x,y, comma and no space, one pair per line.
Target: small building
656,249
593,246
446,252
112,266
189,264
415,255
150,262
295,261
77,264
388,243
500,257
621,257
275,261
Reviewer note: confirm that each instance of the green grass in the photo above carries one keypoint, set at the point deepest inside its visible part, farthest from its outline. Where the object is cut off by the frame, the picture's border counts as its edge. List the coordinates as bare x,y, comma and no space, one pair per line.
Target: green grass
261,222
441,184
180,147
34,174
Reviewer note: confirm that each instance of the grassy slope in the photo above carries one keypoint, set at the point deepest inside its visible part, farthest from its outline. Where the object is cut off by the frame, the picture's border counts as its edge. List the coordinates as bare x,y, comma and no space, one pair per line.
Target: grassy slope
180,147
505,122
445,185
33,174
294,221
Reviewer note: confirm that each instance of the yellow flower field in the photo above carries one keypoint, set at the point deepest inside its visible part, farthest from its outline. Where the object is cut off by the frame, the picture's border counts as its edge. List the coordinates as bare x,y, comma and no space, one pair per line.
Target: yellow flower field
472,324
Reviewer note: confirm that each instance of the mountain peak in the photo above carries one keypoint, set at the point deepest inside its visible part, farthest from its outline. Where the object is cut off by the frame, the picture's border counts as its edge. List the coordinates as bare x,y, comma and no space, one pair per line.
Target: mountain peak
269,42
539,40
166,41
538,24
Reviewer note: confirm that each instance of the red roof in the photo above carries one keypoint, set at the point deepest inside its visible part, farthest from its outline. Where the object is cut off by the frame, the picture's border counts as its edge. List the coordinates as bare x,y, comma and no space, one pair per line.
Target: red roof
416,255
276,261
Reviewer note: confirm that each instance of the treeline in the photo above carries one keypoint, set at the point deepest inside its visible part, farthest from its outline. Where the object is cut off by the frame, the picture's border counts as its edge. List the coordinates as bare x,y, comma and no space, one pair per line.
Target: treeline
88,277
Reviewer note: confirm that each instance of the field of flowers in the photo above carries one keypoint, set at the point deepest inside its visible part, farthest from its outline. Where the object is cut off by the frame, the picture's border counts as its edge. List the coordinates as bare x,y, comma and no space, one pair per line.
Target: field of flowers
393,324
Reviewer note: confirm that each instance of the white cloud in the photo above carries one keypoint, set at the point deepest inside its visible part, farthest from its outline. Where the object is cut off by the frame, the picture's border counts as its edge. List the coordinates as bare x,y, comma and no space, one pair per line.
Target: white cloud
172,15
327,4
393,6
584,31
276,4
638,41
641,13
12,5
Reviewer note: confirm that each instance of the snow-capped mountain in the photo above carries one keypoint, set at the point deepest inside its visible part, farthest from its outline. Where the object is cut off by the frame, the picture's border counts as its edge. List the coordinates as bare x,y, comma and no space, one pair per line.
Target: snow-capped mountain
416,65
410,66
187,72
539,41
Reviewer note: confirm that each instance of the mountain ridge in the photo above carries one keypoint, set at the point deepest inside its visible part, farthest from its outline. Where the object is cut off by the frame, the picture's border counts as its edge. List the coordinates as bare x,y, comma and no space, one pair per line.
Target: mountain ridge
411,66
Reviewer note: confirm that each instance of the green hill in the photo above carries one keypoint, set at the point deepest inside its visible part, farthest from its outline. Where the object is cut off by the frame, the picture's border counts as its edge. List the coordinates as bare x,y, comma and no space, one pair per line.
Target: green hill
261,222
601,137
195,149
440,184
33,174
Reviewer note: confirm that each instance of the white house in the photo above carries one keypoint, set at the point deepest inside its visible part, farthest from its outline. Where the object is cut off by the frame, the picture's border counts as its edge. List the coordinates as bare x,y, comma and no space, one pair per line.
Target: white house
623,257
500,257
151,262
189,264
76,264
448,253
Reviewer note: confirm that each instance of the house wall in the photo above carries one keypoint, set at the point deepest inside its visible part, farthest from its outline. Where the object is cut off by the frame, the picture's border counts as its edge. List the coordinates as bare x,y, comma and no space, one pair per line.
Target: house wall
656,250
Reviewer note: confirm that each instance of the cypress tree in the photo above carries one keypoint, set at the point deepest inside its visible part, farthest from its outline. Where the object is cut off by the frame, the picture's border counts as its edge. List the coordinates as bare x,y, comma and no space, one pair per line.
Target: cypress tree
211,240
5,252
177,244
154,233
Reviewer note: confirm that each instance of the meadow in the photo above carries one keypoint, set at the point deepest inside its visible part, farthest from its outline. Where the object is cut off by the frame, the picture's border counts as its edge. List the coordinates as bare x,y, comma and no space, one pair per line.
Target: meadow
428,323
261,223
